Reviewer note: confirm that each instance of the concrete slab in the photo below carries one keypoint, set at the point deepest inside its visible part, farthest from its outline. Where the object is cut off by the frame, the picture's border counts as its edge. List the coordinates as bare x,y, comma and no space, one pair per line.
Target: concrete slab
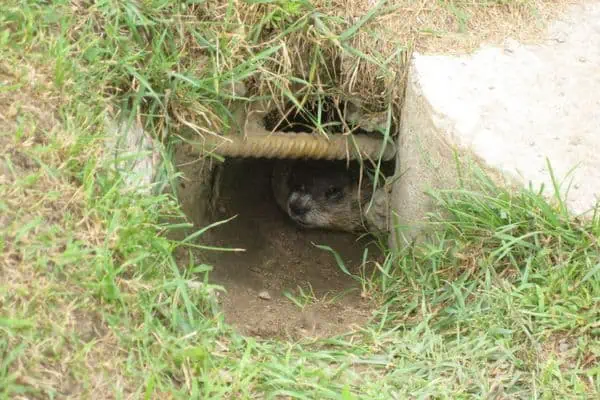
508,107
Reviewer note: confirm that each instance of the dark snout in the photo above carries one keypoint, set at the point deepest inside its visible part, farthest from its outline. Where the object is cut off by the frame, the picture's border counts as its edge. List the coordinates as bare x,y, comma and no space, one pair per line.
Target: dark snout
298,209
299,205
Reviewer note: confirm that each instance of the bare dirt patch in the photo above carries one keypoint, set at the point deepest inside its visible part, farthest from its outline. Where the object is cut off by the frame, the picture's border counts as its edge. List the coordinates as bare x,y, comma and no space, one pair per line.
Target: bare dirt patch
279,258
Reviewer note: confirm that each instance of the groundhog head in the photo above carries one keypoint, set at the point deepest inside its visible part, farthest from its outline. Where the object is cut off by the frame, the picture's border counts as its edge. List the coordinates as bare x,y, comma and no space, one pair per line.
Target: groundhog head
325,195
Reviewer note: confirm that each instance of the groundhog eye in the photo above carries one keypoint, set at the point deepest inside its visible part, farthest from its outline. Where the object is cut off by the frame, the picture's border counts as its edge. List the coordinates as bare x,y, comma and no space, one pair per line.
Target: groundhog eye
333,193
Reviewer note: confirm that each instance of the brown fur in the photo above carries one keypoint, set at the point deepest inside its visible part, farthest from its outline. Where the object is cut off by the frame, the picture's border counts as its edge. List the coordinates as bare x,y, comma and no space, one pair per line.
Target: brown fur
327,194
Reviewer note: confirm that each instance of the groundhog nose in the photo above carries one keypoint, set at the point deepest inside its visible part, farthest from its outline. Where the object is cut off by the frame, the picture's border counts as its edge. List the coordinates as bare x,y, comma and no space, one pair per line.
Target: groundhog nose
298,209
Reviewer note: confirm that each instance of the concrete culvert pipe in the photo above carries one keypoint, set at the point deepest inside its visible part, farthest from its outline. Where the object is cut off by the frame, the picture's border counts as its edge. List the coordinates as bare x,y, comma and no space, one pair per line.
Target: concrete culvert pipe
298,145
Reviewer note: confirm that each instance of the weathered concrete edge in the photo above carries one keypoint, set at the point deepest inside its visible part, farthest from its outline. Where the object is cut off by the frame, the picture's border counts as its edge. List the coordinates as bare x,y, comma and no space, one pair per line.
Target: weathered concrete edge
426,159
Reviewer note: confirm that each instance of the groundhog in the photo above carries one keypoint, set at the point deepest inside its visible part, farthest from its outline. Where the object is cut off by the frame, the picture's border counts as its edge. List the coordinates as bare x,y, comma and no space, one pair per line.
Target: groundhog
322,194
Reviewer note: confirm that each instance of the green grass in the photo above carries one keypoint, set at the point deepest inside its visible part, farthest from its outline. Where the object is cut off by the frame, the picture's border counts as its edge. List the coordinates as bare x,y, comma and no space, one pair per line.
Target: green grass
502,302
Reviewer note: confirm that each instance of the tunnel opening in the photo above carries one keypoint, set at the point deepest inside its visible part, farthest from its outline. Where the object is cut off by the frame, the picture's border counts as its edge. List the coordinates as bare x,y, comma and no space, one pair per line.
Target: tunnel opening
287,282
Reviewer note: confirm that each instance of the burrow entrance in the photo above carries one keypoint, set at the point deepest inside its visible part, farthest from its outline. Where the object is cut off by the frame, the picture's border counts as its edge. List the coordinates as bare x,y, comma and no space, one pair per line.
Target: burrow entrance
282,285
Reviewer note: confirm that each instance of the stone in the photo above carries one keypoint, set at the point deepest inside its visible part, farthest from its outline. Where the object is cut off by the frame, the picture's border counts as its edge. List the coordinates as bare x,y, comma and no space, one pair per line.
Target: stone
132,152
264,295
